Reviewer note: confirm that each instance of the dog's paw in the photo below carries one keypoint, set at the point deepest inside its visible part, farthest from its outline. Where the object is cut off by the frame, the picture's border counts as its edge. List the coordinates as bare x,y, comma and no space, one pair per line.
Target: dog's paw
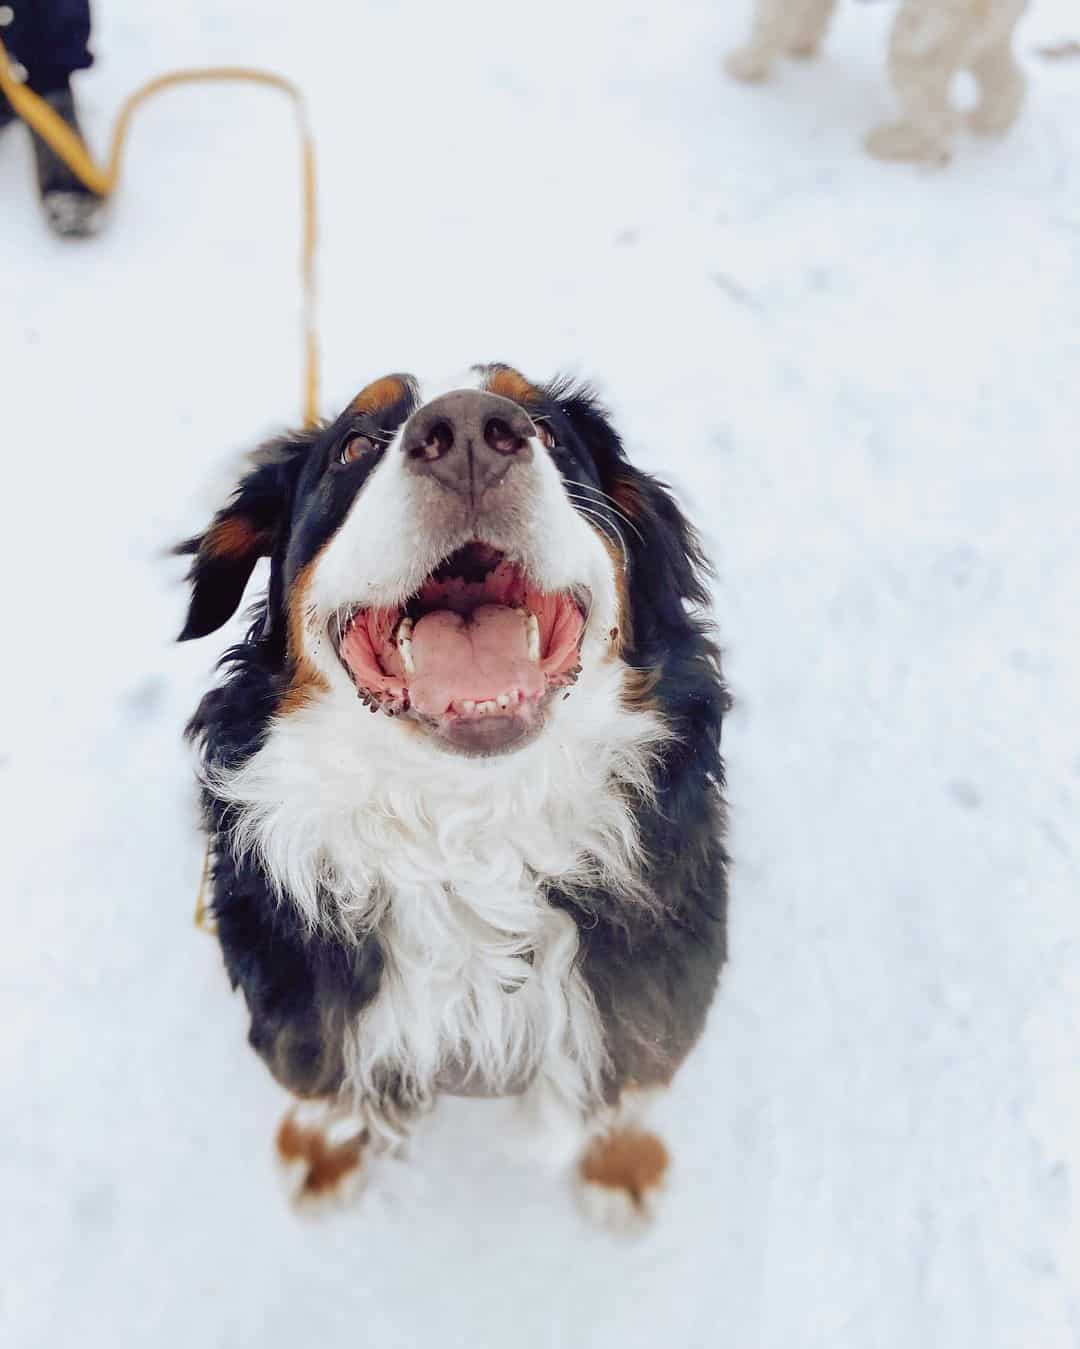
749,64
321,1160
621,1179
905,141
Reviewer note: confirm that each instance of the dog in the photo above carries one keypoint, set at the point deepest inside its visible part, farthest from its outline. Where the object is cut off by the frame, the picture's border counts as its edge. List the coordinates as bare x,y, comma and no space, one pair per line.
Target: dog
932,40
462,778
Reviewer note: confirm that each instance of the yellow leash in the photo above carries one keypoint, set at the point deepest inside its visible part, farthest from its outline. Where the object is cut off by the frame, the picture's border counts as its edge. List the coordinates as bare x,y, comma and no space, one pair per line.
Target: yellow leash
202,919
52,129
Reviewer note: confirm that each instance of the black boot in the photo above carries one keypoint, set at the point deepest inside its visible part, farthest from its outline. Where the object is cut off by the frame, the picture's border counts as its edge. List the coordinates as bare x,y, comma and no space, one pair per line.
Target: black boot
71,209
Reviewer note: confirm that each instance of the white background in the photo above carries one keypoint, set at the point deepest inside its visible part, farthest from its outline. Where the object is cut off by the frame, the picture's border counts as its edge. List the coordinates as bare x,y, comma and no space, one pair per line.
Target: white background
865,383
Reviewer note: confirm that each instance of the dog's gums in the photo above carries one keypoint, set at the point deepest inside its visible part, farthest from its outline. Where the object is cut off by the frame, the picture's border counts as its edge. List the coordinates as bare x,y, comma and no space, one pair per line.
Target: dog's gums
475,654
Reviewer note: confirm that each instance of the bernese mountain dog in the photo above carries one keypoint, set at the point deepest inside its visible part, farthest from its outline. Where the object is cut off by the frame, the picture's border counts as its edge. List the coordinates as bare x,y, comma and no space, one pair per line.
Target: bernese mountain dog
462,779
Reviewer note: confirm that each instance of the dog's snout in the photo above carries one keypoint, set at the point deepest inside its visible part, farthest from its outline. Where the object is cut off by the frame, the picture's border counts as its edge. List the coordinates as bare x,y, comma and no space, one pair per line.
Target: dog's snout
468,441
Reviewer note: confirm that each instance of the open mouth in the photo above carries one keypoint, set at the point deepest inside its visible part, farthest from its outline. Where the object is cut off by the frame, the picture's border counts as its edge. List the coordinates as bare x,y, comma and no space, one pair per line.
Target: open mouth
476,653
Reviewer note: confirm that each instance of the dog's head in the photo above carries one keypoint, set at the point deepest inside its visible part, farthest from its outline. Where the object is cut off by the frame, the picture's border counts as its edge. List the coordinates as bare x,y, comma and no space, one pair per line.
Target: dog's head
455,559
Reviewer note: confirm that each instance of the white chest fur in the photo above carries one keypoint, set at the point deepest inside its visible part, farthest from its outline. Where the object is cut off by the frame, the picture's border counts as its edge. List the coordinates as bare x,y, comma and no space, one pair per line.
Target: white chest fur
372,832
479,994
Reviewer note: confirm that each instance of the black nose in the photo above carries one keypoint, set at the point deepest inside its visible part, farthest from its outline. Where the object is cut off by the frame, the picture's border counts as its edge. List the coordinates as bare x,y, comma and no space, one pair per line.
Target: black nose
468,441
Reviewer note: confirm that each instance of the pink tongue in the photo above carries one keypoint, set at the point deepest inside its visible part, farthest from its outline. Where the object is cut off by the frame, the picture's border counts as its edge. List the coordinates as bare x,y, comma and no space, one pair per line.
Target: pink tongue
476,658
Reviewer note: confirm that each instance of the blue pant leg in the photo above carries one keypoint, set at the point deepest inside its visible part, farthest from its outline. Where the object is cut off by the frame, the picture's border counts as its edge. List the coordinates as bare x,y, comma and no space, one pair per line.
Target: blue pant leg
51,38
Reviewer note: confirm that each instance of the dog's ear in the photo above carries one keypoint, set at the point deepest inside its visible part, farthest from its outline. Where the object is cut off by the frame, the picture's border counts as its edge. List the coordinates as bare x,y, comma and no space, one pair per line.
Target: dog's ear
248,528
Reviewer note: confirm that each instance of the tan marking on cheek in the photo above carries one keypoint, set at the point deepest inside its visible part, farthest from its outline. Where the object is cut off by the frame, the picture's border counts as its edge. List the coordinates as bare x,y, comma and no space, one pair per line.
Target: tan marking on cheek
508,383
326,1164
629,498
306,681
621,636
384,393
234,538
632,1160
639,685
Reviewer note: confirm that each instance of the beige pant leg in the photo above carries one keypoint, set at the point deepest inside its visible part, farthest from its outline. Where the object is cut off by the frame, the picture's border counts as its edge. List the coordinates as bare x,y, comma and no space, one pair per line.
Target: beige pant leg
1002,84
775,22
930,42
807,35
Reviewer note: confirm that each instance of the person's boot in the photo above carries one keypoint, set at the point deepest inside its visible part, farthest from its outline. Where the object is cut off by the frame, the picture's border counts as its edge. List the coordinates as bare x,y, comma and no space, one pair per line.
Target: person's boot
72,211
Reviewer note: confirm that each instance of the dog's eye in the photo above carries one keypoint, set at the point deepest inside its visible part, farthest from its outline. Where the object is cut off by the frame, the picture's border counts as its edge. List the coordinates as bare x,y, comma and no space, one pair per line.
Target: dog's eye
355,447
547,436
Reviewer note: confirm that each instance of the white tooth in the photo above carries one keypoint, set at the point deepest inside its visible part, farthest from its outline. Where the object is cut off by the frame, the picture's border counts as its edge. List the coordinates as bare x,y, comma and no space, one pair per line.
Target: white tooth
504,700
404,644
489,706
468,706
532,634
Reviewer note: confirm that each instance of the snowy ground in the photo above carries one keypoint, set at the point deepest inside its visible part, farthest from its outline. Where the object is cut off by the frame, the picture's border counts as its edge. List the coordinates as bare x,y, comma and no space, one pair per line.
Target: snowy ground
864,381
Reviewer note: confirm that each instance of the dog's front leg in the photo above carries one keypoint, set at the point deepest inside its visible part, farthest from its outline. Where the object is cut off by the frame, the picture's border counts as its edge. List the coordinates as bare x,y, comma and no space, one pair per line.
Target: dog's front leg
653,985
304,991
618,1163
624,1165
321,1150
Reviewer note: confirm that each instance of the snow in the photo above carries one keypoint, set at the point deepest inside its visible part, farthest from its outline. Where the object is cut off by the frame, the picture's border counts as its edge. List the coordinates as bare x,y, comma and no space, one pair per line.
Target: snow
863,380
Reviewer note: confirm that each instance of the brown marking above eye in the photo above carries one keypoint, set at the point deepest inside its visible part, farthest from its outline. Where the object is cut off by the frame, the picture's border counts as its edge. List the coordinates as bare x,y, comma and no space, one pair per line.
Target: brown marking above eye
380,395
356,446
509,383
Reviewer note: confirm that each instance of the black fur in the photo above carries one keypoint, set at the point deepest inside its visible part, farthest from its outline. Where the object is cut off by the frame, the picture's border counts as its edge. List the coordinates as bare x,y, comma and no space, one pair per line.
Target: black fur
654,978
653,971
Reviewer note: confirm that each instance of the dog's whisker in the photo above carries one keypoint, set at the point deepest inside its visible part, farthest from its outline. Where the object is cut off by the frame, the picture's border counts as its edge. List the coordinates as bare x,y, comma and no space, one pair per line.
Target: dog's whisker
616,510
614,506
605,525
